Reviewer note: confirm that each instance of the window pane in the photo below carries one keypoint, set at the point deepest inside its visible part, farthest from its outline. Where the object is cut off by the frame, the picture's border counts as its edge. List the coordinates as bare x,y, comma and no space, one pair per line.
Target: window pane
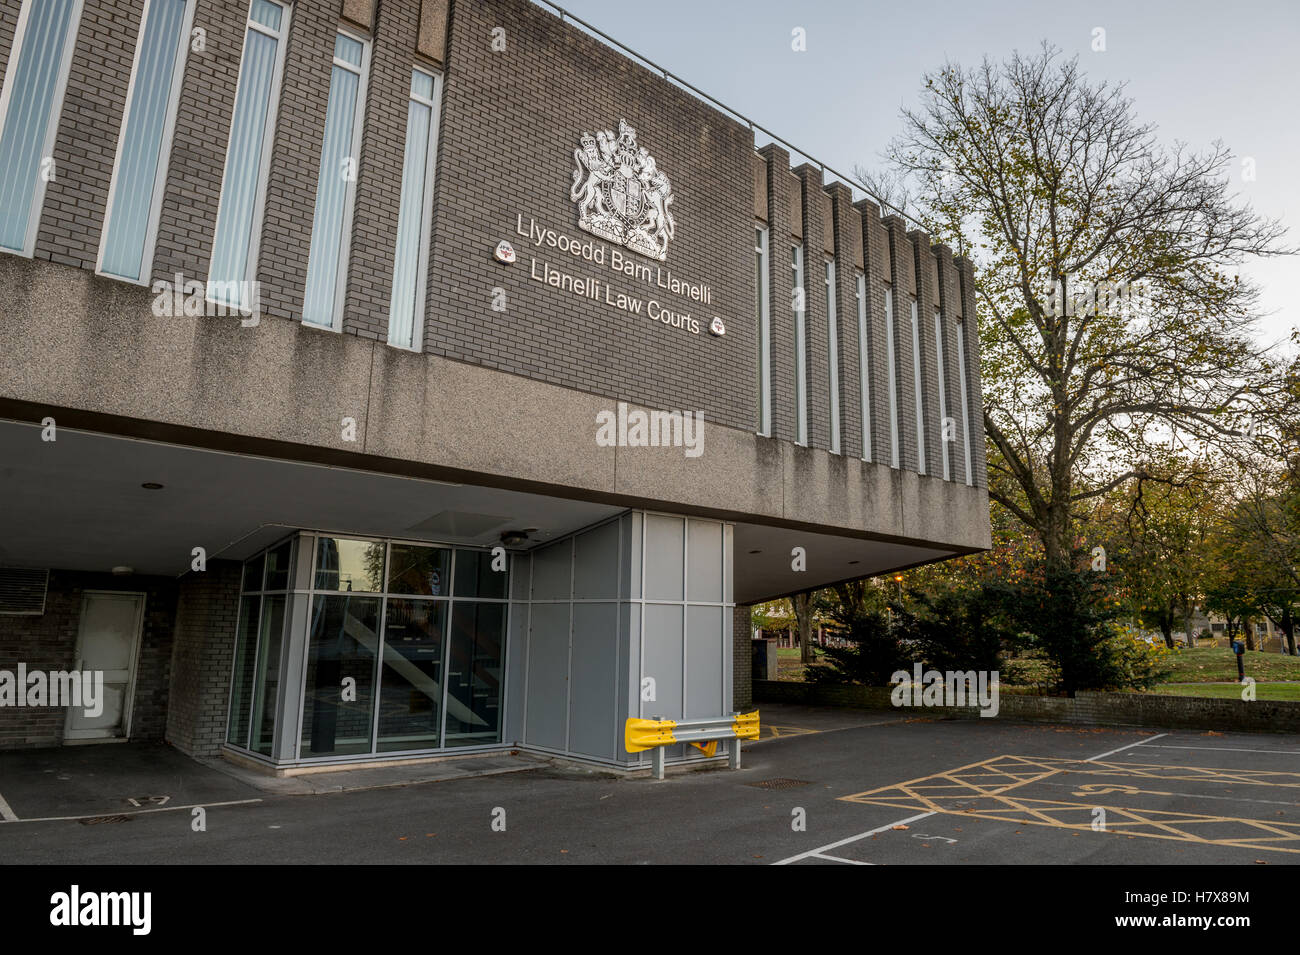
277,567
327,261
420,570
410,696
249,137
347,49
475,576
342,643
474,673
266,13
421,84
31,112
143,134
349,565
410,226
253,573
241,689
268,675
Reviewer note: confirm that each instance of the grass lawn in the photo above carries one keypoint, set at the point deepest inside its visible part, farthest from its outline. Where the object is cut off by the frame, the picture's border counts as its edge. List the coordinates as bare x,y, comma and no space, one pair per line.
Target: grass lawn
1198,665
1232,691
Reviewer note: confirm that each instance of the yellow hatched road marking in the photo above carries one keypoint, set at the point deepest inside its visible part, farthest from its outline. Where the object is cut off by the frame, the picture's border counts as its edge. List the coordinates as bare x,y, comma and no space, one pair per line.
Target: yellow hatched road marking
981,790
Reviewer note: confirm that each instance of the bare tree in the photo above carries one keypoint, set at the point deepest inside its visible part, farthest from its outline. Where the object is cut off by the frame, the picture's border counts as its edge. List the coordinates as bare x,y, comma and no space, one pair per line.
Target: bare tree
1113,317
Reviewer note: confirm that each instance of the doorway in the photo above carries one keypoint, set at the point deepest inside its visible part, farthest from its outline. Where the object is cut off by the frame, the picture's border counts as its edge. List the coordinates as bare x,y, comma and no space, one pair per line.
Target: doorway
108,640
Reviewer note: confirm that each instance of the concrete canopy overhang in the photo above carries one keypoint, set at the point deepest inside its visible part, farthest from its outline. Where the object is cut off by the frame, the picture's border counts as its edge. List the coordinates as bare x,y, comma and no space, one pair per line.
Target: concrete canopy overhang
79,503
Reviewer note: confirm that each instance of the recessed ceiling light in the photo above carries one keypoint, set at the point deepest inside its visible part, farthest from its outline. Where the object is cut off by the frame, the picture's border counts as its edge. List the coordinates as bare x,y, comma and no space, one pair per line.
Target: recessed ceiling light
122,570
514,538
756,552
151,486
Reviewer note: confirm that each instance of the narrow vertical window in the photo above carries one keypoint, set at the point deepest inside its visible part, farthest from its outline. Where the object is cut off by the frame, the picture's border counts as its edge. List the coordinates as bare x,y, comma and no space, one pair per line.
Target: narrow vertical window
140,169
800,347
30,104
411,261
864,362
248,156
961,378
893,378
916,378
833,356
331,227
764,333
943,397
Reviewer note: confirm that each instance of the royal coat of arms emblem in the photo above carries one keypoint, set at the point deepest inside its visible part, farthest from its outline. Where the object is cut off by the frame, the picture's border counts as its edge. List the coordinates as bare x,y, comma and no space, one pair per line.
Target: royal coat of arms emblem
621,195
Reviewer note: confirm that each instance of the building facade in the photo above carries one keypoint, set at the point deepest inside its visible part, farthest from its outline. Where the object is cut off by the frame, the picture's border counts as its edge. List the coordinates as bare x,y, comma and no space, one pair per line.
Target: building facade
392,378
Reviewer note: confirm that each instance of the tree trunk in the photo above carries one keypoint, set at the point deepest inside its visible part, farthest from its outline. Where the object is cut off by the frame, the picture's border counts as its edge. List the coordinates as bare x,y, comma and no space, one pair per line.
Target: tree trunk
803,614
1248,632
1288,629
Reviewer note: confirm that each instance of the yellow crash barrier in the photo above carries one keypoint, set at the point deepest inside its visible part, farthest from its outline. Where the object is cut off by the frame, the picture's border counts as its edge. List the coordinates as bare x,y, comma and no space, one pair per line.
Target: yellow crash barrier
746,725
640,735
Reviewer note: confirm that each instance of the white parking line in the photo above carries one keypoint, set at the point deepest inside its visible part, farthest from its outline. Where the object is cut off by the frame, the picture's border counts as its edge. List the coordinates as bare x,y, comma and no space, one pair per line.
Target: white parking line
822,855
1234,749
136,812
6,814
1122,748
844,842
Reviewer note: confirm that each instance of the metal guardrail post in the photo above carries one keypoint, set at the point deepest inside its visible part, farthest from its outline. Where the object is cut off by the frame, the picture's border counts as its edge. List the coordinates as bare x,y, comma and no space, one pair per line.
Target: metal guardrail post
657,762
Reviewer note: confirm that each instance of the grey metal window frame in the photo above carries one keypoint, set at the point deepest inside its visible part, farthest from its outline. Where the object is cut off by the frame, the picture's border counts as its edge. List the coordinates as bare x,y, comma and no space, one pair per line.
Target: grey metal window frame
311,593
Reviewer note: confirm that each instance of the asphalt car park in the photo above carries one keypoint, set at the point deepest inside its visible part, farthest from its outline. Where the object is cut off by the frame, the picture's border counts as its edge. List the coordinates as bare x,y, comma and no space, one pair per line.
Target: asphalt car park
823,787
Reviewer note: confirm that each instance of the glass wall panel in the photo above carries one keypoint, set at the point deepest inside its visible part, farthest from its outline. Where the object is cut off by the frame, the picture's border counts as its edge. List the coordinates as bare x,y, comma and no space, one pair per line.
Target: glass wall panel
277,566
241,688
268,674
475,576
420,570
341,648
474,673
253,573
411,680
349,565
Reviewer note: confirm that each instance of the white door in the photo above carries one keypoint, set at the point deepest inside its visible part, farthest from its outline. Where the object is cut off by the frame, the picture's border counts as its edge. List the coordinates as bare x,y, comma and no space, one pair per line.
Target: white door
107,641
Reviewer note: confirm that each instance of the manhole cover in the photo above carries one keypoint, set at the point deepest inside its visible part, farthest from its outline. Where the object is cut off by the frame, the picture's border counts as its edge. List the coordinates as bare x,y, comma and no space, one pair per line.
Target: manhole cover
780,783
96,820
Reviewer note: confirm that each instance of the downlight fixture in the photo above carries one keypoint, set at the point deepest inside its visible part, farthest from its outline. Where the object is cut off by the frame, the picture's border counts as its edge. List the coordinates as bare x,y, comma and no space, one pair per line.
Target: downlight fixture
514,538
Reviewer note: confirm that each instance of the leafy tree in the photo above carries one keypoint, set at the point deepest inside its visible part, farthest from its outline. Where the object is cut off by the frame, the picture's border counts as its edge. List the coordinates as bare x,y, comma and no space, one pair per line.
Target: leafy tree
1111,312
1067,614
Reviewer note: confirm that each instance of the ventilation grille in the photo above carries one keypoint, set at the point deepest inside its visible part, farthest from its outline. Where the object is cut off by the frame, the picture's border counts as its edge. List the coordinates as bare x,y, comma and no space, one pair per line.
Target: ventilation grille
22,590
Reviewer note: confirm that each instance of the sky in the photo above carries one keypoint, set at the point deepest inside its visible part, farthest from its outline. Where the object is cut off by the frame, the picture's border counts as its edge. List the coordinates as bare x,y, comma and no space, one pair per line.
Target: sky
1199,71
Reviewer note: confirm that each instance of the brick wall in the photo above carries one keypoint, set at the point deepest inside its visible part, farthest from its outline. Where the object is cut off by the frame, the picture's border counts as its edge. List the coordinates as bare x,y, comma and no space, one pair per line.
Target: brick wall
49,642
1154,710
742,650
203,652
509,124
